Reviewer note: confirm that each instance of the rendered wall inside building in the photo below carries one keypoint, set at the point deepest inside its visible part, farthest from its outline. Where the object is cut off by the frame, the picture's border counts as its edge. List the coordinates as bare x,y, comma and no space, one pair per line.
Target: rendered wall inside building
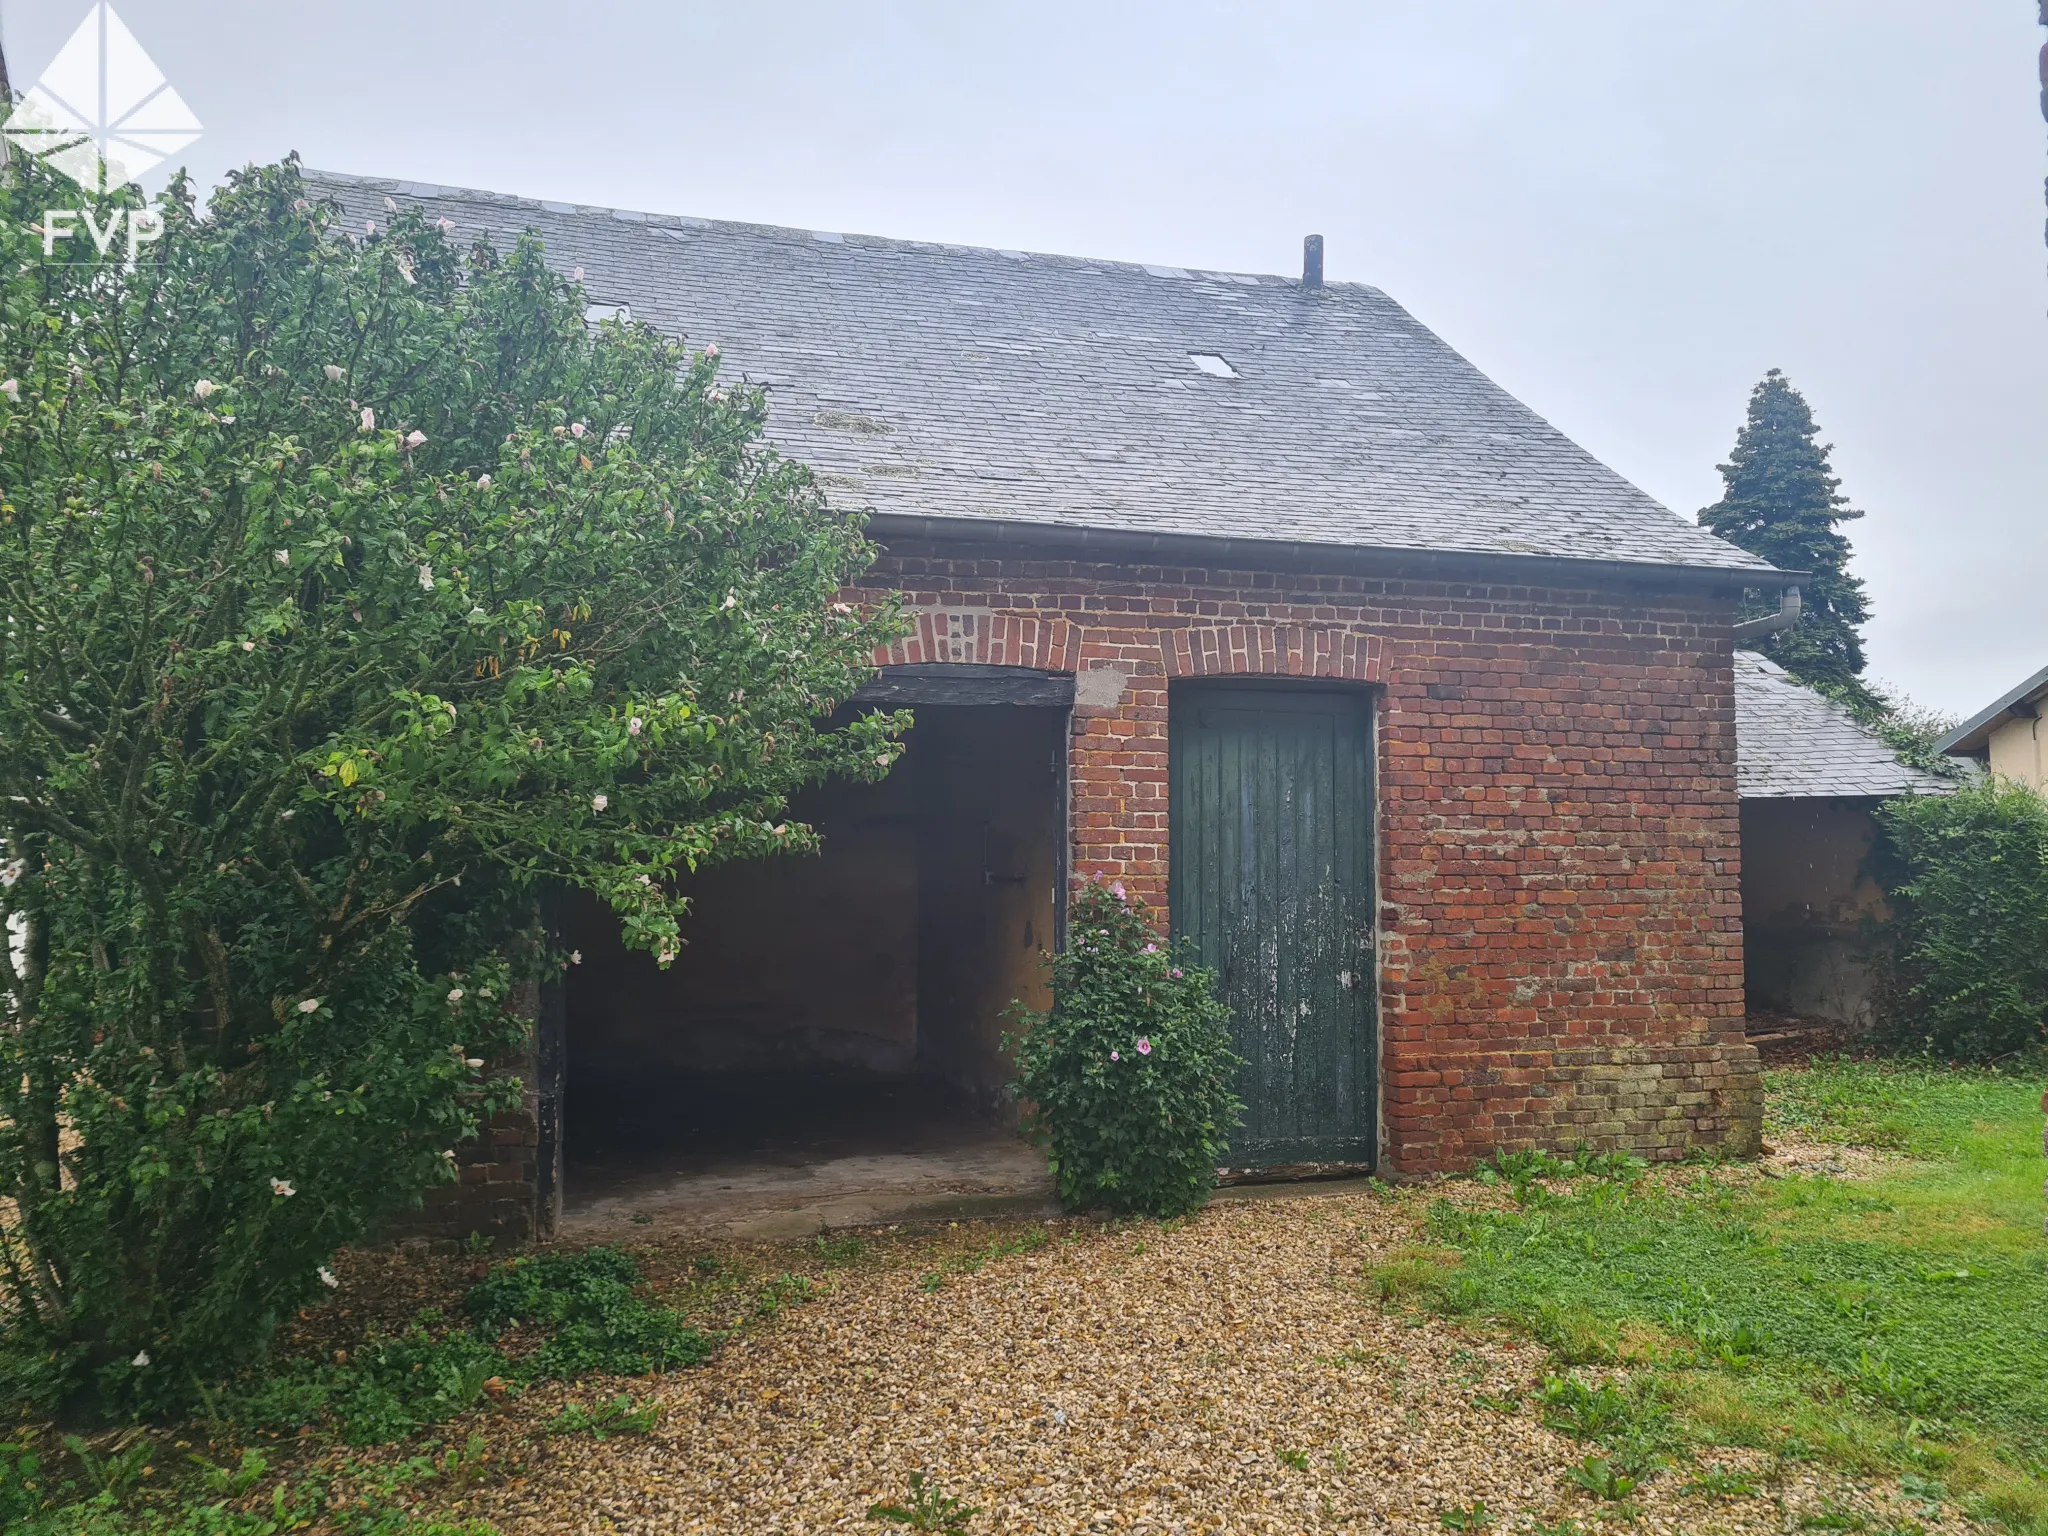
1807,896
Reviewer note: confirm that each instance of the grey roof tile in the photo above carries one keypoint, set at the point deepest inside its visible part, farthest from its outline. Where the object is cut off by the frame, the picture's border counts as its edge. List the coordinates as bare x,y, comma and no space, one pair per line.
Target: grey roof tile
1791,742
1053,390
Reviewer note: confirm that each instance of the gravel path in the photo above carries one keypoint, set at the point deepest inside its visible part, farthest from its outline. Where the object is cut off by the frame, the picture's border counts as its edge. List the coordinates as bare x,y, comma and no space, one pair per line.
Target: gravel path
1227,1375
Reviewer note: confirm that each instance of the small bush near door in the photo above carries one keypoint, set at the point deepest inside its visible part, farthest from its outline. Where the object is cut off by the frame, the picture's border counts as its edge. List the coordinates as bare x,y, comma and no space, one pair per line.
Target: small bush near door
1128,1080
1970,945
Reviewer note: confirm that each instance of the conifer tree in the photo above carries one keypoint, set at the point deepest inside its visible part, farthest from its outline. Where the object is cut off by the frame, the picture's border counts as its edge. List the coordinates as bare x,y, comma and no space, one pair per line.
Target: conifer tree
1781,502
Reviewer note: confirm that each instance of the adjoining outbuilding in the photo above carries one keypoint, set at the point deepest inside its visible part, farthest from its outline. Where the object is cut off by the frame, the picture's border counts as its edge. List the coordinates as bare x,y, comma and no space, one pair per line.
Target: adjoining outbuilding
1812,778
2004,738
1250,593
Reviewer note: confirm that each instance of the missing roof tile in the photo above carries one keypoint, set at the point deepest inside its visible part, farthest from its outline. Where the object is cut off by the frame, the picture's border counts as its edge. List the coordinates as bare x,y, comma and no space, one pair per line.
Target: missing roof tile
853,423
1214,364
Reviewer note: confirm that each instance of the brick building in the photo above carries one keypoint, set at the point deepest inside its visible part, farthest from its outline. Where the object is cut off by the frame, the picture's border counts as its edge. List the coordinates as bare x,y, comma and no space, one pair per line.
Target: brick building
1812,779
1246,591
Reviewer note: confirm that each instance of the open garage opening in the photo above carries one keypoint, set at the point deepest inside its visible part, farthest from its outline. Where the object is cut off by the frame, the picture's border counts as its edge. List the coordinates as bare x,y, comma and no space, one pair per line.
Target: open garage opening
827,1048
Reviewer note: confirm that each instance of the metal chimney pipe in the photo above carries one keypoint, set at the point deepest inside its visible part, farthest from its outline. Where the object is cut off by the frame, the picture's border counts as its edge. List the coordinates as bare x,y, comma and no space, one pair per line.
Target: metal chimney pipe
1312,262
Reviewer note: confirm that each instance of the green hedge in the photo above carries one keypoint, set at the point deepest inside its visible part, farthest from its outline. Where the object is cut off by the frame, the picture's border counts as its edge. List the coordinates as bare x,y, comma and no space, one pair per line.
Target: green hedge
1968,948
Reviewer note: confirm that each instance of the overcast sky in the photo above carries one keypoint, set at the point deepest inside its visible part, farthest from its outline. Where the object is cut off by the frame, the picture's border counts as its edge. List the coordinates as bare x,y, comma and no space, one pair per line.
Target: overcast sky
1624,212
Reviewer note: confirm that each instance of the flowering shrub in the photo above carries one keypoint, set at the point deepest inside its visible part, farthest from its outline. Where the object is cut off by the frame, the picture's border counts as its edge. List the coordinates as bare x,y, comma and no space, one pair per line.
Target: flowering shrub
1128,1080
353,590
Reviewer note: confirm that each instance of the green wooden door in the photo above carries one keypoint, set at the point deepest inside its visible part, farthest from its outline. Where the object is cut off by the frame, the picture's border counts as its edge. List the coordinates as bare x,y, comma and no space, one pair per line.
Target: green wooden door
1272,832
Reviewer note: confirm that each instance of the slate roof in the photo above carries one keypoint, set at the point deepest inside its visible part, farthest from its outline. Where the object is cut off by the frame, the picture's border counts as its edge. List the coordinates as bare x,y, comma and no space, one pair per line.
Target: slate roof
1791,742
953,382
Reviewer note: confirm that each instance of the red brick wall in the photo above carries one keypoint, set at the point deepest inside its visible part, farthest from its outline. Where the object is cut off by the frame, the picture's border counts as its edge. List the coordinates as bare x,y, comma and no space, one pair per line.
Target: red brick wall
496,1186
1561,943
1560,928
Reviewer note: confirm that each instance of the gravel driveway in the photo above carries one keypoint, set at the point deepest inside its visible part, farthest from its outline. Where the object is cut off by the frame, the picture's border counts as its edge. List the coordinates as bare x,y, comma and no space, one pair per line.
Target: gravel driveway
1225,1375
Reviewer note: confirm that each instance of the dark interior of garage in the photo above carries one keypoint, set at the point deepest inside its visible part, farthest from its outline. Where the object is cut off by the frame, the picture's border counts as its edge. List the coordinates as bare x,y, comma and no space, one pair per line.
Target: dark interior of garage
835,1005
1808,898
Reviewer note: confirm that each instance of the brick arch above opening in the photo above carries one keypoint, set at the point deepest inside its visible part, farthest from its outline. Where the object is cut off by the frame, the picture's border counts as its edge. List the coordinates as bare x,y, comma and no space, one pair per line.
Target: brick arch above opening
1275,650
987,637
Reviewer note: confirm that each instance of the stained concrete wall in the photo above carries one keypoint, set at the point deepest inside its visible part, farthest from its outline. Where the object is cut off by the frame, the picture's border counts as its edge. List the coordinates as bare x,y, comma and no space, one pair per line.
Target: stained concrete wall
1807,895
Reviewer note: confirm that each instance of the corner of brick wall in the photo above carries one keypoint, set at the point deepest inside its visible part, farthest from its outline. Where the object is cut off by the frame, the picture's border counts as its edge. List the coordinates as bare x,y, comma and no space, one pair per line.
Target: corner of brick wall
495,1193
1658,1101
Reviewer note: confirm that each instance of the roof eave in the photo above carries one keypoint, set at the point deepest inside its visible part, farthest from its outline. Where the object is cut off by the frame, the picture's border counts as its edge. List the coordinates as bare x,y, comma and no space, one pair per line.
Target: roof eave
1282,554
1974,734
1928,786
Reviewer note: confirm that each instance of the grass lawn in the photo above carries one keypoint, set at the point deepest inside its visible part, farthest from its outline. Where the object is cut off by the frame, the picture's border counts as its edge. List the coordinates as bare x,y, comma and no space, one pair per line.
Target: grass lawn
1895,1321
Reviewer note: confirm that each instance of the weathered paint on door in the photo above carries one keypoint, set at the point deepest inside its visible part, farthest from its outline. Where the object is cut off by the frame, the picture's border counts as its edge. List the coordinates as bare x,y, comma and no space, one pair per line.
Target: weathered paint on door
1271,816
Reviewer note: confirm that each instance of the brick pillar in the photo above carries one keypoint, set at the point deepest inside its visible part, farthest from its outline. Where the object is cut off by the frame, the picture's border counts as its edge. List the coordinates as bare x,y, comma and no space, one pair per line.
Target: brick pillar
496,1187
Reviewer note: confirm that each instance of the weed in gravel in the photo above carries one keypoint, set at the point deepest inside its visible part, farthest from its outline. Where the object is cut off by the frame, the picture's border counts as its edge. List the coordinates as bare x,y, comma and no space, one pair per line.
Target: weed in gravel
216,1501
584,1309
385,1389
928,1510
1295,1459
457,1465
1718,1483
1629,1418
1602,1478
1536,1527
589,1307
783,1291
1930,1492
1030,1240
1465,1517
233,1482
619,1415
1587,1413
1350,1354
838,1249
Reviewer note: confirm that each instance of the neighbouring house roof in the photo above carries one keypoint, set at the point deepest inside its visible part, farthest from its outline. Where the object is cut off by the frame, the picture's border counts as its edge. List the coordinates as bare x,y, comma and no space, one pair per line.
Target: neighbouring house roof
1973,737
983,386
1791,742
